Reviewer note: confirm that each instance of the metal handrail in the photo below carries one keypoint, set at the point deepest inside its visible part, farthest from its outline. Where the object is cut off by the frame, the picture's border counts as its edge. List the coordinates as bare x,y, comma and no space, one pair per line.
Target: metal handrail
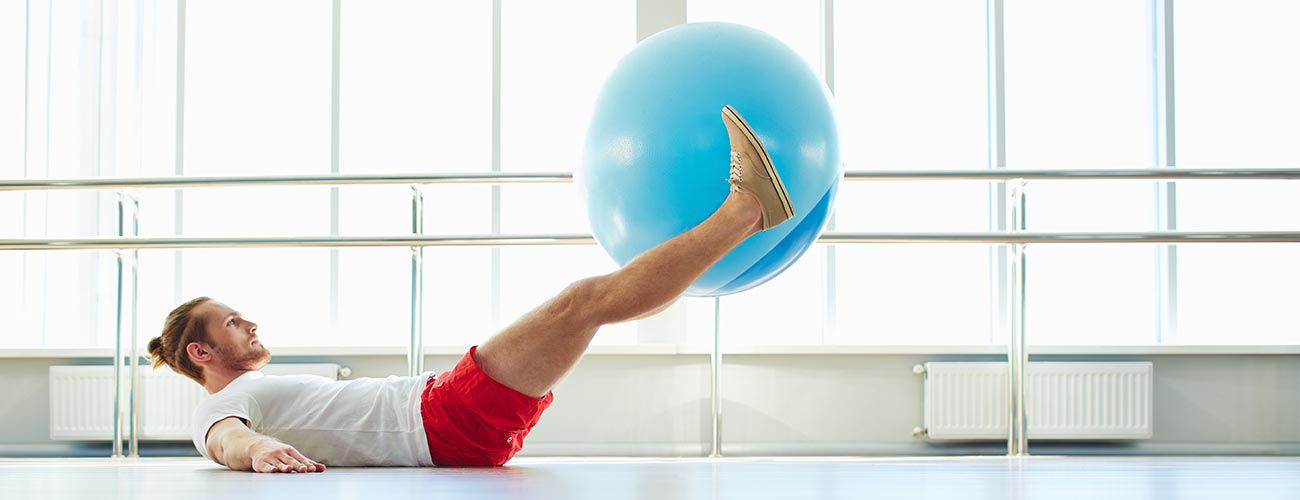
1062,175
1017,239
408,240
1066,238
284,180
561,177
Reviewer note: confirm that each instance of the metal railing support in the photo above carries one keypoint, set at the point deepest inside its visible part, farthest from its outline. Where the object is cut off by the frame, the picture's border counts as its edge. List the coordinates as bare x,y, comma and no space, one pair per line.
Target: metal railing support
1017,356
1015,237
837,237
128,210
415,356
36,184
715,380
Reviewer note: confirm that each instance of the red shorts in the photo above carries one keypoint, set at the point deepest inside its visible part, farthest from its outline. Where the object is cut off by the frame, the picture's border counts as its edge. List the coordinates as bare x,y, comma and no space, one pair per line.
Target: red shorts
472,420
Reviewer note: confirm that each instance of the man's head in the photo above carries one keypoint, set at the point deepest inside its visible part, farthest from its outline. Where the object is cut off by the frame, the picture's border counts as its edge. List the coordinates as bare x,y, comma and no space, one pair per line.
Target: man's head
204,336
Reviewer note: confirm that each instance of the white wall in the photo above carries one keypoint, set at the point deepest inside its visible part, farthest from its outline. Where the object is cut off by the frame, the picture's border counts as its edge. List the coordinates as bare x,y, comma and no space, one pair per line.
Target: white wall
813,404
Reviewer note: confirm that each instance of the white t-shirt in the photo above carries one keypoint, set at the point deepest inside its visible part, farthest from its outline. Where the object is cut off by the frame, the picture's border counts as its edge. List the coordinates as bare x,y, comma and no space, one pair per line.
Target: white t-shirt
361,422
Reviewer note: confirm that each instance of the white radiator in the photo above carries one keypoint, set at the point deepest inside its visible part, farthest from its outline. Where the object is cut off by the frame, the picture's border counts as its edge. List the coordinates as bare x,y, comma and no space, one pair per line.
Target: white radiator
1063,400
81,400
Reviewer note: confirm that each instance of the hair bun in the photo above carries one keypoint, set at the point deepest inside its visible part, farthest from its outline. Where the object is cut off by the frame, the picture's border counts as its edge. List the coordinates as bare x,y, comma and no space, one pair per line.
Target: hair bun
156,350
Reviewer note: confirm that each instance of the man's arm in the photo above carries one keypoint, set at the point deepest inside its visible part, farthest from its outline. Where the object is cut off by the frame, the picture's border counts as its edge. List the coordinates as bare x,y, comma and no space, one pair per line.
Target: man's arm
233,444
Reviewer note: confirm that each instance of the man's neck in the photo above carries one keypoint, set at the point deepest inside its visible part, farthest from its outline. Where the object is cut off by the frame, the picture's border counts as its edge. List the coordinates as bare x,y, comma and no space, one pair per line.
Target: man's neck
216,381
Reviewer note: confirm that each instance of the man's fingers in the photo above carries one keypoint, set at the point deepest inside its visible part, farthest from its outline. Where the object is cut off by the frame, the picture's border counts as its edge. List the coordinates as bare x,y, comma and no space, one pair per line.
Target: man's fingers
311,465
286,459
292,465
286,464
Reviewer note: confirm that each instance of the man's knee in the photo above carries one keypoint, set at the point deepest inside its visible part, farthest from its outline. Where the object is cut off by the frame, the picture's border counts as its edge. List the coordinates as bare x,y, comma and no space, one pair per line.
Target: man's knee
594,302
580,300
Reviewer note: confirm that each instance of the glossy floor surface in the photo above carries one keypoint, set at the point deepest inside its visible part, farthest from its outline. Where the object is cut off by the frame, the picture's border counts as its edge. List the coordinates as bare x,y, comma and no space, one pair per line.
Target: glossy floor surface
1255,478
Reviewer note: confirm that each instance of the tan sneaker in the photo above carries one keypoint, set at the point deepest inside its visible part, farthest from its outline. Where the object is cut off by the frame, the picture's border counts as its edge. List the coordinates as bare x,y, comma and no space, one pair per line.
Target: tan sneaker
752,170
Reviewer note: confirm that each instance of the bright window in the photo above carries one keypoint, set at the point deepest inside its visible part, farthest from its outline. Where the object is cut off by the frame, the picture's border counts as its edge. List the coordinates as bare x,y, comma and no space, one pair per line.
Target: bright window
417,84
1078,95
553,62
53,297
789,309
1236,107
13,34
910,83
258,104
409,104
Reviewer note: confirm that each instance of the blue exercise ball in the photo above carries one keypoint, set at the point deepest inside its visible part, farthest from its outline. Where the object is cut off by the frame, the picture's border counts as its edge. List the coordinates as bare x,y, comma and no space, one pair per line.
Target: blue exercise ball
655,162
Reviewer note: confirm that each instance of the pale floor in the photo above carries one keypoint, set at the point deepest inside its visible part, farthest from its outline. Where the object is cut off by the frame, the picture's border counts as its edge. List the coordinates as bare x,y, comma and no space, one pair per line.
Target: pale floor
1254,478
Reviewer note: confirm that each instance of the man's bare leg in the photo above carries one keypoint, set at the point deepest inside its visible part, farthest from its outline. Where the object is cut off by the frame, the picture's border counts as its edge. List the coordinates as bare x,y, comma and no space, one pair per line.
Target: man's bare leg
539,349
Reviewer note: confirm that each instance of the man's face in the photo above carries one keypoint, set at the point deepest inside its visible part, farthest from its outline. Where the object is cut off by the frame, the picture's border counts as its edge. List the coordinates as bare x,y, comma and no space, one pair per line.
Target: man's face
232,338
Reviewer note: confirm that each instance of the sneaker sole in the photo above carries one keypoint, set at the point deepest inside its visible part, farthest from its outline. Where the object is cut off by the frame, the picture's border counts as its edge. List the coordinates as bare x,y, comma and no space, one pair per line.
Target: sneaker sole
786,204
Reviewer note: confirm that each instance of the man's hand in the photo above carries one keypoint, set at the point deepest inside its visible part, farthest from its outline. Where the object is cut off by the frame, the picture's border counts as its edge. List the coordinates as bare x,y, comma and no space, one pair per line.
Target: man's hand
232,444
269,455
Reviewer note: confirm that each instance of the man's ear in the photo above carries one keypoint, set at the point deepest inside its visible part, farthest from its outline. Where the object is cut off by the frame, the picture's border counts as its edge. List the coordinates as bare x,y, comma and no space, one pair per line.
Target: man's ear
198,352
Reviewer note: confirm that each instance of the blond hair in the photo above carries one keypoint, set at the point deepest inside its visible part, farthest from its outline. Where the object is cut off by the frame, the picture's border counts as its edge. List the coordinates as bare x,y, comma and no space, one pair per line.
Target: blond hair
181,328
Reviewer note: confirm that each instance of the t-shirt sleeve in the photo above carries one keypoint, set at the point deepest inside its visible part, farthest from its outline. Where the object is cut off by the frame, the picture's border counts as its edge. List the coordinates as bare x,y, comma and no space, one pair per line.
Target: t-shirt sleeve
213,409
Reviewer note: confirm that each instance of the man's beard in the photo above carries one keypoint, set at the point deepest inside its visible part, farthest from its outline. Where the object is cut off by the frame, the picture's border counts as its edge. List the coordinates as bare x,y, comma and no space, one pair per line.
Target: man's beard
245,360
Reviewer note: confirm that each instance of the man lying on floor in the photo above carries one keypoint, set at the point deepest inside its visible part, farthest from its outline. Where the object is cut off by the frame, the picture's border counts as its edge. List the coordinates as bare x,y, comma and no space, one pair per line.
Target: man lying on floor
476,414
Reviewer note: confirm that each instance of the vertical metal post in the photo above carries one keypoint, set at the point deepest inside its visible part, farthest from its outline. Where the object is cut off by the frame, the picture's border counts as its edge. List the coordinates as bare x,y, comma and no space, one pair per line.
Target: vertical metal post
715,378
132,312
127,274
1166,193
415,355
1017,357
137,111
117,339
1009,263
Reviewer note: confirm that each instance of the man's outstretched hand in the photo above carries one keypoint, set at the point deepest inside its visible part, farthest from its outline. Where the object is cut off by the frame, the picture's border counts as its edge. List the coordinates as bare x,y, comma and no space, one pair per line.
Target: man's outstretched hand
232,444
269,455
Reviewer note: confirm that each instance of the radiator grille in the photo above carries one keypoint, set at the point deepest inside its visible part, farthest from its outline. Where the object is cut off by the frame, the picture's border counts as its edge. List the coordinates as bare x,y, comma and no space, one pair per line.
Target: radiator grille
81,400
167,403
1063,400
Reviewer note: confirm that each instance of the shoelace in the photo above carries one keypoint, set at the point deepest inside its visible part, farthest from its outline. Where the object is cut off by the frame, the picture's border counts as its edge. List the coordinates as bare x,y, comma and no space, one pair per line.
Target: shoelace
737,170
